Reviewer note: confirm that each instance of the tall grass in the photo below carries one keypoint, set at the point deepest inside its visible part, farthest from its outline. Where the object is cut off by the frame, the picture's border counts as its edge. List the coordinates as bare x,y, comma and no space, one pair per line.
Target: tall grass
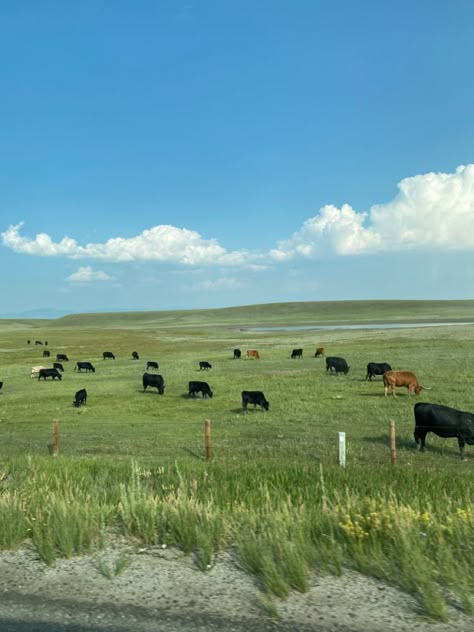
280,525
132,463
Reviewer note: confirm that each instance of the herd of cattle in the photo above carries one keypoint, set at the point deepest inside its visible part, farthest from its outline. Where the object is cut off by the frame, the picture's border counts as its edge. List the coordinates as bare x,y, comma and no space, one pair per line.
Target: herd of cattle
443,421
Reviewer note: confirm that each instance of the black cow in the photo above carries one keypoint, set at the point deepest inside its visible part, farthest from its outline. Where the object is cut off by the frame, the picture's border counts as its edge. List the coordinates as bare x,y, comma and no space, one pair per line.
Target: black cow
80,399
339,365
46,354
135,355
53,373
297,353
237,354
1,384
199,387
59,366
151,365
38,342
205,366
444,422
376,368
61,357
255,398
108,355
87,366
154,380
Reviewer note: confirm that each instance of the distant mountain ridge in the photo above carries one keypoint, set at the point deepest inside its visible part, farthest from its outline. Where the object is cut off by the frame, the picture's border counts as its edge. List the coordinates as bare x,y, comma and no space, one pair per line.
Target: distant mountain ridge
36,313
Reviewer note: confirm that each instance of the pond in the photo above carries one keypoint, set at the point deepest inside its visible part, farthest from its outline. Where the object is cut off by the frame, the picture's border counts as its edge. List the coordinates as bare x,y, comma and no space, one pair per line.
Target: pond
336,327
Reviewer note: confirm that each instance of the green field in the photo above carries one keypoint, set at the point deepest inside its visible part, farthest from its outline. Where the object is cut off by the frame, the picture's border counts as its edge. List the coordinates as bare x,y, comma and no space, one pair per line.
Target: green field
308,406
139,458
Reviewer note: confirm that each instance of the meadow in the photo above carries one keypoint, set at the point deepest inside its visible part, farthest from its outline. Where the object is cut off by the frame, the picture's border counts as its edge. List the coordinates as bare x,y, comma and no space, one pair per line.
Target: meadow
133,463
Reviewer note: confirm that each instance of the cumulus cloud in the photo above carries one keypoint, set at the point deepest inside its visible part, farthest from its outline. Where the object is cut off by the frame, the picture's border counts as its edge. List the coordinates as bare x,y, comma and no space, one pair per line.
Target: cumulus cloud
433,211
160,243
430,211
85,274
332,230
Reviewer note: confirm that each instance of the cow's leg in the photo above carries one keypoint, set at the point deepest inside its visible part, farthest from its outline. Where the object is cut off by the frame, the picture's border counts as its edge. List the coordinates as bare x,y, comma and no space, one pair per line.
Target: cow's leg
420,438
461,443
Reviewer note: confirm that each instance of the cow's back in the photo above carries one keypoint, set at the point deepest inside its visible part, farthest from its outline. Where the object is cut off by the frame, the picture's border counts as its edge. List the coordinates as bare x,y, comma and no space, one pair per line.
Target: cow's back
444,421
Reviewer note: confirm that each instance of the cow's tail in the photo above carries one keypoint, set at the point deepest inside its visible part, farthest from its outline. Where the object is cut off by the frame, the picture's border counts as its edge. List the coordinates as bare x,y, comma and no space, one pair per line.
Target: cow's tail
426,388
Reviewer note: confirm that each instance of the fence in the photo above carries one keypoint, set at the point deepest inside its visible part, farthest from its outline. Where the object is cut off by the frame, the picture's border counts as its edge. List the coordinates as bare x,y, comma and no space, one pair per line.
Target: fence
117,439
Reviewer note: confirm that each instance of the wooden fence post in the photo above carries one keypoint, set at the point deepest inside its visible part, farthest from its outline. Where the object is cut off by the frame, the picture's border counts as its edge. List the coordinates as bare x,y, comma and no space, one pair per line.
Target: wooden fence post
55,438
393,446
207,430
342,449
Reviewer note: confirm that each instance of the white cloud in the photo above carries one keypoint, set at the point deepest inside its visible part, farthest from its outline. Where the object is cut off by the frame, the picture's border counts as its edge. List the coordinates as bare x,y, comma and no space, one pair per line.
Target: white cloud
430,211
160,243
85,274
223,283
434,211
332,230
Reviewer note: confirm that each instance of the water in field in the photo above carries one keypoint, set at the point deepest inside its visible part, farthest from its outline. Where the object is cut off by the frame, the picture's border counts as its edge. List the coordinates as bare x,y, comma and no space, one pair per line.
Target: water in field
365,326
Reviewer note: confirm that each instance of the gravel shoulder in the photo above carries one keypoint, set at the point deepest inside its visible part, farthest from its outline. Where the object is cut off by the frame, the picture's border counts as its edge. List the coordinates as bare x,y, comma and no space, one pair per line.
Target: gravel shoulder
160,589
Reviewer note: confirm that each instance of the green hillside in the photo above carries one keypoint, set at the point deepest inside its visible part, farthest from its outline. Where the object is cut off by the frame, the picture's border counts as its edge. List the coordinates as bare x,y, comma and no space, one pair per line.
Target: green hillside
272,314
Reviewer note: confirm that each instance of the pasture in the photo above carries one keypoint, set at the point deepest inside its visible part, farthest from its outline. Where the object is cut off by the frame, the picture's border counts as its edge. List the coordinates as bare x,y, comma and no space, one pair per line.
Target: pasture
139,457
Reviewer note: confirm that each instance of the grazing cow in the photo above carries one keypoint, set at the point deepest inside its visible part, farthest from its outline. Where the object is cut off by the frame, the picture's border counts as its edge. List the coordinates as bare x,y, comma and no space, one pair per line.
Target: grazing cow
237,354
319,352
339,365
28,341
46,354
38,342
157,381
80,398
35,371
402,378
376,368
46,343
108,355
199,387
58,366
297,353
252,353
205,366
255,398
444,422
1,384
62,357
151,365
53,373
87,366
135,355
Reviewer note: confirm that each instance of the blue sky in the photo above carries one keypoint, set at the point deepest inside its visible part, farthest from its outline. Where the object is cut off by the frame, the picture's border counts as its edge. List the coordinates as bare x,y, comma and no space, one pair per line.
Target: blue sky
164,155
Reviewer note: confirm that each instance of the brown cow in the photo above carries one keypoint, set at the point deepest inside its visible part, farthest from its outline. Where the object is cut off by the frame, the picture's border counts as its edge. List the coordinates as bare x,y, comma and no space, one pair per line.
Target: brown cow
252,353
319,352
402,378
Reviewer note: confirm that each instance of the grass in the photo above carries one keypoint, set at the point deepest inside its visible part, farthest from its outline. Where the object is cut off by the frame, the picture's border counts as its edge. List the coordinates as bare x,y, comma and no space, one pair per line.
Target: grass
134,463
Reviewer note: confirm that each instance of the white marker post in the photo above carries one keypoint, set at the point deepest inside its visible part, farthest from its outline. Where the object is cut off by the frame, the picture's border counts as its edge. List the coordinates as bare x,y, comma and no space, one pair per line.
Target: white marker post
342,449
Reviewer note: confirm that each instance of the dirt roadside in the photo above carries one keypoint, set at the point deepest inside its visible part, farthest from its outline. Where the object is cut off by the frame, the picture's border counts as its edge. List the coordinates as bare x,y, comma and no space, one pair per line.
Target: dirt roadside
160,589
